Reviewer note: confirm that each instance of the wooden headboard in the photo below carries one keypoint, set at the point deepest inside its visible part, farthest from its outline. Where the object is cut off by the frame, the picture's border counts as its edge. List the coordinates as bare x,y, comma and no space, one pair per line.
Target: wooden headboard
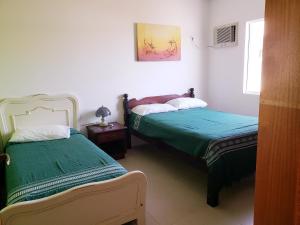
129,104
36,110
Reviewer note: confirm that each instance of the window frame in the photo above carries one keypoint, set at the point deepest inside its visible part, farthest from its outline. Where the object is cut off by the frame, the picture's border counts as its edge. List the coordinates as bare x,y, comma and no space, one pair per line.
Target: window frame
246,57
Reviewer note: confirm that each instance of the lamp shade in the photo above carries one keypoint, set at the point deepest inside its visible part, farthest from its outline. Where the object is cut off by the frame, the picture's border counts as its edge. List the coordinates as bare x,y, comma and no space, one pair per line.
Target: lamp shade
103,112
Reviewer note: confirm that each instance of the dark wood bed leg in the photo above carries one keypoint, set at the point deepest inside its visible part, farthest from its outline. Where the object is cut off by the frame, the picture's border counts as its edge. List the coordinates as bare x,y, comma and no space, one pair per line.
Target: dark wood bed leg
215,182
213,199
126,119
192,94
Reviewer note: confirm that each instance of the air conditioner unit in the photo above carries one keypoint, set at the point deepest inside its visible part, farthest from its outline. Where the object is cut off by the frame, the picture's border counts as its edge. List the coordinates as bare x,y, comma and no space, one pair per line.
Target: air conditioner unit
226,35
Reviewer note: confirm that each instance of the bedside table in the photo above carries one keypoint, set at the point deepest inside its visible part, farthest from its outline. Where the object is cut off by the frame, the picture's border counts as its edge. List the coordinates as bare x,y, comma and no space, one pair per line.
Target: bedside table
112,140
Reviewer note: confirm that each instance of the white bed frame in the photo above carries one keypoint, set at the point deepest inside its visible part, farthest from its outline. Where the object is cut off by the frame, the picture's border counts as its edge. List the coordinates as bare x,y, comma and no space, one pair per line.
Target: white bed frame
111,202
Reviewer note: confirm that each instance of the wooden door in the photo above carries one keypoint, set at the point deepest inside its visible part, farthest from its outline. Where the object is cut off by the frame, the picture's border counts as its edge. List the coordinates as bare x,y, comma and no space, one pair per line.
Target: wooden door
277,192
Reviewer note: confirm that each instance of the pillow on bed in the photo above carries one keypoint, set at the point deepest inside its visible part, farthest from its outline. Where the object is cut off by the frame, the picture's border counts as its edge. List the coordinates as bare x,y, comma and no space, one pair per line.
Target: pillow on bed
186,103
152,108
40,133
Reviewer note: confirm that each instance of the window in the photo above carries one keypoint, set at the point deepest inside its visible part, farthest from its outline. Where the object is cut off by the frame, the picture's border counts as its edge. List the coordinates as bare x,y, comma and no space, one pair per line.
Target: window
253,56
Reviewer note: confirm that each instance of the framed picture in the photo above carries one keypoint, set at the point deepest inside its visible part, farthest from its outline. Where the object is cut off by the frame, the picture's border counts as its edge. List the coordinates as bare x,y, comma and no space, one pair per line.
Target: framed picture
158,42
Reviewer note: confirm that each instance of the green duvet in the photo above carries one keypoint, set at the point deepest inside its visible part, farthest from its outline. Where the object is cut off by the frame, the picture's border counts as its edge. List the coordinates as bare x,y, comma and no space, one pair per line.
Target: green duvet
195,130
40,169
226,142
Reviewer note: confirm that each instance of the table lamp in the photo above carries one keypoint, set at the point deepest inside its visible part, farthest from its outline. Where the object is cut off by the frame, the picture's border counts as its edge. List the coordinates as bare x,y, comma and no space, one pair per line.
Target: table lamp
103,112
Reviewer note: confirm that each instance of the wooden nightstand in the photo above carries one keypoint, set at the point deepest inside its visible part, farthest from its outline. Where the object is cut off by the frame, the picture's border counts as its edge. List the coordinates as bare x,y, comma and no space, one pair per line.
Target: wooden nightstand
111,139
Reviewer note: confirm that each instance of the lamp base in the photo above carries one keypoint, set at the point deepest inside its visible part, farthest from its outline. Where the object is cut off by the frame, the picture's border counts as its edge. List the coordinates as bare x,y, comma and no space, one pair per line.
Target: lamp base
103,124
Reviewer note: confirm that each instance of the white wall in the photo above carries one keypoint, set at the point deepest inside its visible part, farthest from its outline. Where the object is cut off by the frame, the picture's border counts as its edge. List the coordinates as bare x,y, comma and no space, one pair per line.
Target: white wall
88,48
226,65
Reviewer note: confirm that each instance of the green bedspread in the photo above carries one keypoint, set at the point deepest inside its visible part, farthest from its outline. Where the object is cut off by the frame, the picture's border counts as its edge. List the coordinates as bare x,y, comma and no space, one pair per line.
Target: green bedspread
226,142
40,169
194,130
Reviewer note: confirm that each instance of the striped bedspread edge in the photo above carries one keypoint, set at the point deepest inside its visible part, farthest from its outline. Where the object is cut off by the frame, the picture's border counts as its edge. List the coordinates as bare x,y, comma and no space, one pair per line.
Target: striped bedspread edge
58,184
219,147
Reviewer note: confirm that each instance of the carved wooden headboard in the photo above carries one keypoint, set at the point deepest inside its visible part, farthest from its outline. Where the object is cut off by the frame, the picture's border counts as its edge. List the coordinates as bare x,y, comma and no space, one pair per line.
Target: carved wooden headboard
36,110
129,104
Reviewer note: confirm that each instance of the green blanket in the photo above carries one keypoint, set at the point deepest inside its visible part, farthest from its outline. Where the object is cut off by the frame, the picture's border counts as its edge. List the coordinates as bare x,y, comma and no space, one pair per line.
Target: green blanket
194,130
227,142
40,169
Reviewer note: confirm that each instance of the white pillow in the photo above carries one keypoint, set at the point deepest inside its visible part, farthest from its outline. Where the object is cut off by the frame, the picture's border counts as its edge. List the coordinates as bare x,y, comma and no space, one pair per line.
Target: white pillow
186,103
152,108
40,133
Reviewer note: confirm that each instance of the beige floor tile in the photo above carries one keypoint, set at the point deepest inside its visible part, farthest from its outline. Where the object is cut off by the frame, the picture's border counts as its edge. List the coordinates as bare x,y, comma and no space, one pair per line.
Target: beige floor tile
176,192
150,220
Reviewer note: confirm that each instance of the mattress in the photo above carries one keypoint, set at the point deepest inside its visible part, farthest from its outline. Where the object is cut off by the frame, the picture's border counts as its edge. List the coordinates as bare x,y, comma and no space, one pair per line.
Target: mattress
41,169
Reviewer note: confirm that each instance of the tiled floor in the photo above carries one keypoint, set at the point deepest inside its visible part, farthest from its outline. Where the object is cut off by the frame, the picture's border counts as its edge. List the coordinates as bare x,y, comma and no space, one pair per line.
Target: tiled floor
176,192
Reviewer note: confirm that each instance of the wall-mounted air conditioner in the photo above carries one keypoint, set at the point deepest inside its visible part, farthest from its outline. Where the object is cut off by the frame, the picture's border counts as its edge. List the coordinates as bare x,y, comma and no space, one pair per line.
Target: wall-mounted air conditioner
226,35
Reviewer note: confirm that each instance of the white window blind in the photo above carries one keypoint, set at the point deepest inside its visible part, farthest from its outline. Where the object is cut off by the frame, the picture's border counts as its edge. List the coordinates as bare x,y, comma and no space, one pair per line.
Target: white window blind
253,56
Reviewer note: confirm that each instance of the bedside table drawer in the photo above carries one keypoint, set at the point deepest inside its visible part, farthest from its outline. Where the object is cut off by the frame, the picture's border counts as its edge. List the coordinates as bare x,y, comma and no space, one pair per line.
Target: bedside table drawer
111,136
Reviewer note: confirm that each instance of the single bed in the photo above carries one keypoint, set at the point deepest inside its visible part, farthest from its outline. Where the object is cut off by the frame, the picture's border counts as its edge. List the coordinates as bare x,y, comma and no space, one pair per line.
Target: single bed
225,143
66,181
